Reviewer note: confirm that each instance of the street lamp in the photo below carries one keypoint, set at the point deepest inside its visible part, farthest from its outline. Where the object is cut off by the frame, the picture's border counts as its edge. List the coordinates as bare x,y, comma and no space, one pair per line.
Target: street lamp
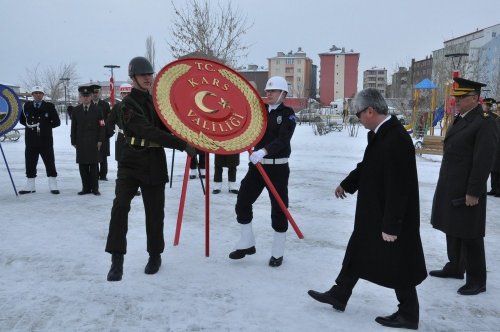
65,81
112,84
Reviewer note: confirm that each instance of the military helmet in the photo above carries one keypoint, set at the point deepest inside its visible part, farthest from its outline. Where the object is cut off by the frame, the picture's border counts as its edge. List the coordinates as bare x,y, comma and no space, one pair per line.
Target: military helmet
277,83
139,65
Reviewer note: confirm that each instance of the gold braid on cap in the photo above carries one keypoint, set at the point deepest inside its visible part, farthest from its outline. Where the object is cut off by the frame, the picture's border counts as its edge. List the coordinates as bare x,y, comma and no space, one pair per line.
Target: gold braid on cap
15,110
256,123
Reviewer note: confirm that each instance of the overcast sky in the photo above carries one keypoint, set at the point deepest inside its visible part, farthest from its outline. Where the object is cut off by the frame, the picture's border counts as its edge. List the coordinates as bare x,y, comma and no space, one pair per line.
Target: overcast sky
94,33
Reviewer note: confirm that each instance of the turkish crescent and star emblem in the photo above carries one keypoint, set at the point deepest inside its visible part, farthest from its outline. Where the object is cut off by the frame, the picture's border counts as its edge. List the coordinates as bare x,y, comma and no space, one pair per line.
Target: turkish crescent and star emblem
209,105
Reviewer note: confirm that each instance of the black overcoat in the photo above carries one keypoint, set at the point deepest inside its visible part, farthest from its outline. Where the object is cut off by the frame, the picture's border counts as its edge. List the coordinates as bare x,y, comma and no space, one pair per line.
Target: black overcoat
105,110
496,164
87,128
388,201
468,154
47,118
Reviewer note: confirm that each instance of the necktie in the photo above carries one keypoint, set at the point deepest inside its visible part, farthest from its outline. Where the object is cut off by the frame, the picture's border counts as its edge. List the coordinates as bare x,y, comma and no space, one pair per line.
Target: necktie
371,136
457,118
37,105
86,108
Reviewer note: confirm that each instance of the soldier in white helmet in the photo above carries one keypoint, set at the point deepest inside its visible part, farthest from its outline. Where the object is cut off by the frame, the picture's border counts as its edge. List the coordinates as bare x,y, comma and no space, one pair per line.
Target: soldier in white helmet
272,151
39,117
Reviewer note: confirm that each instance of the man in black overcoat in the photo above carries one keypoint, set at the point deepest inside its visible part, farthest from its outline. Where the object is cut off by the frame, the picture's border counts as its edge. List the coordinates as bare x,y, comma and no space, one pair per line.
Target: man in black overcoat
87,134
495,170
104,151
459,206
385,246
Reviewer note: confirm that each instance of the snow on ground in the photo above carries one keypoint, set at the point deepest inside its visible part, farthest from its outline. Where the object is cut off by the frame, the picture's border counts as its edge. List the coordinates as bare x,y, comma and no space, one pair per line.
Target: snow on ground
53,266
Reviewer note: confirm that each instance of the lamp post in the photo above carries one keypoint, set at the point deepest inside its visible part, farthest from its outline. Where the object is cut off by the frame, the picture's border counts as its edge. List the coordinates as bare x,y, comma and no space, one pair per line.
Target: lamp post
112,84
65,81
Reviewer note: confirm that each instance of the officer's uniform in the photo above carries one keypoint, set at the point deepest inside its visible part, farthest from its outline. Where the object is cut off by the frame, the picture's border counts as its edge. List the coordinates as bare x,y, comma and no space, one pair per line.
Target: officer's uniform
495,170
467,161
87,129
104,151
281,124
38,138
141,164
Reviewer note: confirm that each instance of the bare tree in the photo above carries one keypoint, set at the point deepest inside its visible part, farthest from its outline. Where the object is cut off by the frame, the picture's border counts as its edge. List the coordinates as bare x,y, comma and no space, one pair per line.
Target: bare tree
50,79
216,32
151,51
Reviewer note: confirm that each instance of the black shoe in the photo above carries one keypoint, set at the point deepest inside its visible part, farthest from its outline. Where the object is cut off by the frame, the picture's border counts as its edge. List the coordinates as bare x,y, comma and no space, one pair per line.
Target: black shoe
471,289
397,321
234,191
138,193
328,298
240,253
23,192
84,192
192,177
203,176
216,191
103,179
116,271
275,262
491,192
55,192
153,265
446,274
96,192
496,195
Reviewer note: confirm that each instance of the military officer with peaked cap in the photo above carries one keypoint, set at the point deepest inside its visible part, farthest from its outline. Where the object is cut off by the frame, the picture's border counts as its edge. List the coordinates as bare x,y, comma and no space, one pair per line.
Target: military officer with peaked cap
459,206
495,171
87,135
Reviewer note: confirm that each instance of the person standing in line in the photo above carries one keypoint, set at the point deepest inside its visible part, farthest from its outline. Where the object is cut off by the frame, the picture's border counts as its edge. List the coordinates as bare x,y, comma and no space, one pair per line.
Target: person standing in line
198,161
87,134
231,161
39,117
141,164
495,171
104,151
272,151
459,205
385,246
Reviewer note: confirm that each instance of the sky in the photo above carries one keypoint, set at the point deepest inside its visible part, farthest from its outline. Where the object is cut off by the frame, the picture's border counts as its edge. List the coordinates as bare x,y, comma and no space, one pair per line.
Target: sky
94,33
53,266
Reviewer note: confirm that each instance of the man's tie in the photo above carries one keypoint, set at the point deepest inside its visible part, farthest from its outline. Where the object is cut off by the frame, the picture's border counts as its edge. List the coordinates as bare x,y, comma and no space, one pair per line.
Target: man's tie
37,105
371,136
86,108
457,118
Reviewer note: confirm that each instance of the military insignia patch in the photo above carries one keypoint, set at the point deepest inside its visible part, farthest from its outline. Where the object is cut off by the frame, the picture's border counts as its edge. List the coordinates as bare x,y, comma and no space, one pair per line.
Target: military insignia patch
279,119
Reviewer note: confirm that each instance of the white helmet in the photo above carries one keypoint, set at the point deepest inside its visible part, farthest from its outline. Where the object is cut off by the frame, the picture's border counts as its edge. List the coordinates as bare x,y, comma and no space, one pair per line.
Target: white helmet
277,83
125,88
37,88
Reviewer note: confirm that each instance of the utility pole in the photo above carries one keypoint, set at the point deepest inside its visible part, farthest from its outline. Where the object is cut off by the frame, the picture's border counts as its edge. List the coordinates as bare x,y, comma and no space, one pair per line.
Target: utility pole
112,84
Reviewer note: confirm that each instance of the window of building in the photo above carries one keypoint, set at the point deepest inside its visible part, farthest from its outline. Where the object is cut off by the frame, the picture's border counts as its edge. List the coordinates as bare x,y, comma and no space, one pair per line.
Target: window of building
289,61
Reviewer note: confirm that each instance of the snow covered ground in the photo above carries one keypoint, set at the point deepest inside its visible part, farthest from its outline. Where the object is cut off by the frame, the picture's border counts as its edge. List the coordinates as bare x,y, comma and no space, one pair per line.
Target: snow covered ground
53,266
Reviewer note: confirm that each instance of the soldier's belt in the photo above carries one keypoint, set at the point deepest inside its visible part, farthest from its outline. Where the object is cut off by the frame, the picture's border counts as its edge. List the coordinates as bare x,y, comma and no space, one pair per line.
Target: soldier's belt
141,142
276,161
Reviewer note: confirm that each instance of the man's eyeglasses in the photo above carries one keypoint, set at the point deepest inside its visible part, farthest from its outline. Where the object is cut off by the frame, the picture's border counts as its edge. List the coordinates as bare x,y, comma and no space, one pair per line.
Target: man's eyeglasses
358,113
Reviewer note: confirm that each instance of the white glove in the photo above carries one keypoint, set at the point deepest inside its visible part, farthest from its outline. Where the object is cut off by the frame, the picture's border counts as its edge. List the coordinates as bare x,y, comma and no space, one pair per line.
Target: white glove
257,156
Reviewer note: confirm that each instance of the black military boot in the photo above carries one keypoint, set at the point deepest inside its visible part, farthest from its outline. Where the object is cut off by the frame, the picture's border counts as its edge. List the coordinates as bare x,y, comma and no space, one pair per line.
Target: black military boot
153,265
116,271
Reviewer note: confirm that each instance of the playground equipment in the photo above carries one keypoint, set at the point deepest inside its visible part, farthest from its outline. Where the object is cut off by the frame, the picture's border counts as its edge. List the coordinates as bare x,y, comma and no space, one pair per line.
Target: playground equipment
424,103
